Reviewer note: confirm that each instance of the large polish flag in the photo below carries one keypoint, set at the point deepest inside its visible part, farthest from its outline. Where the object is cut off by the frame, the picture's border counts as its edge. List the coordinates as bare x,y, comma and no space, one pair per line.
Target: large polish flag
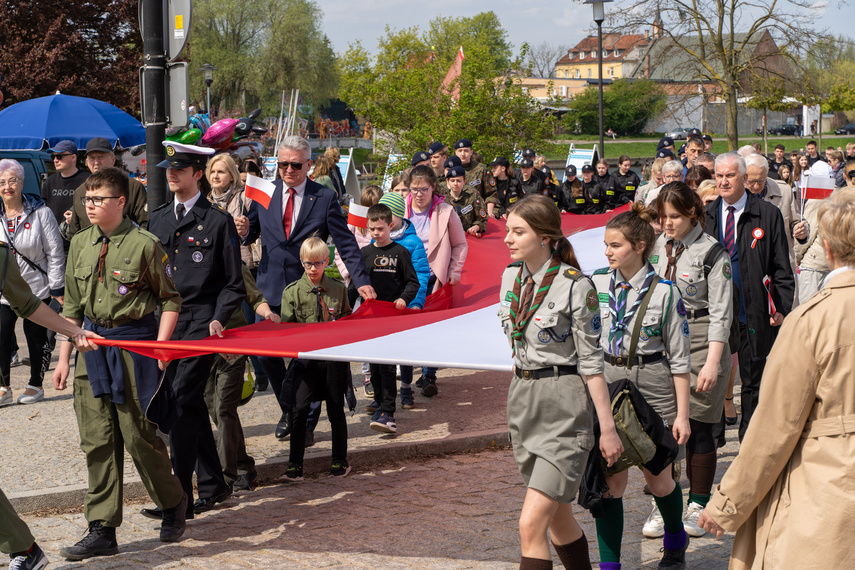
458,327
259,190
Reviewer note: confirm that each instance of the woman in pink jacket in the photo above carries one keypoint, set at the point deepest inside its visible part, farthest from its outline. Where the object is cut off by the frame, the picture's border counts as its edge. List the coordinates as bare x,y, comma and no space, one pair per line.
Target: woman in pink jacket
439,228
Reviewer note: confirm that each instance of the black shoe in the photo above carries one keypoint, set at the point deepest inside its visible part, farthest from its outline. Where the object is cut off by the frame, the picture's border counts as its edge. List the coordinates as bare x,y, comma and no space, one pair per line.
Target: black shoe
203,505
28,560
99,541
283,428
174,522
429,390
674,559
310,438
245,482
261,385
420,383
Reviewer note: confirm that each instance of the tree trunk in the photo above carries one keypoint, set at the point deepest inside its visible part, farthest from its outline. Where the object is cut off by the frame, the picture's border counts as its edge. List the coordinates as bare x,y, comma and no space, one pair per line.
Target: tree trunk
732,109
765,129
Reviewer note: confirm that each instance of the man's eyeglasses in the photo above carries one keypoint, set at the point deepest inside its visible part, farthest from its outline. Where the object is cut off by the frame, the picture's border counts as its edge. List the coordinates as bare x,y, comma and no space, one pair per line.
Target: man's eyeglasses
294,165
96,200
10,182
421,190
61,156
756,182
317,264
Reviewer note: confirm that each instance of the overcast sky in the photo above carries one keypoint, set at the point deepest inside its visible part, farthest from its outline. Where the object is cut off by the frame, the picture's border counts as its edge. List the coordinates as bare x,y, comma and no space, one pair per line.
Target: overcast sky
564,22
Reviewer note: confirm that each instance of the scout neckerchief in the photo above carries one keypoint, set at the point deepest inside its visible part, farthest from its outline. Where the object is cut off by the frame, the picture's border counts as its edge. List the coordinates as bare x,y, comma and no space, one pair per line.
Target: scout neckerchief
323,311
671,270
519,315
617,308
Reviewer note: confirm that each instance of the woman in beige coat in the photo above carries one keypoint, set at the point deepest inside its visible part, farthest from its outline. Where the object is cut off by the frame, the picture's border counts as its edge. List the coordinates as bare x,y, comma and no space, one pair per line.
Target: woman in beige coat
789,493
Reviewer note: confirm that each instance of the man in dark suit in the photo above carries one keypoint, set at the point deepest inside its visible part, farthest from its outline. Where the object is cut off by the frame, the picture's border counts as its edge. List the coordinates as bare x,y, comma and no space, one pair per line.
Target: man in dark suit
299,209
754,234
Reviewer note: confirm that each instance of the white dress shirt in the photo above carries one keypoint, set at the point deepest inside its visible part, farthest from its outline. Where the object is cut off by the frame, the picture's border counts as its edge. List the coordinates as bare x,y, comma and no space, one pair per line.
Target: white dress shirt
740,207
299,192
188,205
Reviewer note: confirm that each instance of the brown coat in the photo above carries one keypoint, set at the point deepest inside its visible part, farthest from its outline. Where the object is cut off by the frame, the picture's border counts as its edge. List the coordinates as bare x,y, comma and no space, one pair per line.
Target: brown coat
790,493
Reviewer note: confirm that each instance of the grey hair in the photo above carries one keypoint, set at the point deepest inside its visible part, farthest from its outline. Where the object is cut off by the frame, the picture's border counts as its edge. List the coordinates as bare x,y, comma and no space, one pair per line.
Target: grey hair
296,143
13,165
673,166
747,150
727,157
757,161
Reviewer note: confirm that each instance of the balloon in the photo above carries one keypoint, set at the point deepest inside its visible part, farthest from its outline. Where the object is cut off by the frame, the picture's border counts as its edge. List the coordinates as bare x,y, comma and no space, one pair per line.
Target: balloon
190,136
219,135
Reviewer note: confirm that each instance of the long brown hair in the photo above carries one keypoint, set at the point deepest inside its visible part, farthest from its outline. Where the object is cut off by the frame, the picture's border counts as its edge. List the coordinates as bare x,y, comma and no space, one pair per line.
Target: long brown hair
635,226
685,200
544,218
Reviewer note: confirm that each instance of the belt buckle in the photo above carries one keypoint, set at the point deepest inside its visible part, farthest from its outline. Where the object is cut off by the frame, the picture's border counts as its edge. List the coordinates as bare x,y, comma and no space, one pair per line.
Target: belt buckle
527,374
620,361
101,323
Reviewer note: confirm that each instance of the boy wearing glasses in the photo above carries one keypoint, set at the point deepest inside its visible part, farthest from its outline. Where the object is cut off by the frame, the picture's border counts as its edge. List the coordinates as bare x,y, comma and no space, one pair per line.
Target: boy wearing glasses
316,298
116,277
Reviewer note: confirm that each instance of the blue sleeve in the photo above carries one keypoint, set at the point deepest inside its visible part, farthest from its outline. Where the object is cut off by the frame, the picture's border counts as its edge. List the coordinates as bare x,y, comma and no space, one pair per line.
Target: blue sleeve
346,245
422,267
254,226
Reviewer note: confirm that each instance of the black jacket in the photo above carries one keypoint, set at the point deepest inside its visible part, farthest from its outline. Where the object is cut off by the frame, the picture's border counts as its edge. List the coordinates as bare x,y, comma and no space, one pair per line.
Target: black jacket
534,185
508,191
571,197
769,256
615,196
628,182
595,196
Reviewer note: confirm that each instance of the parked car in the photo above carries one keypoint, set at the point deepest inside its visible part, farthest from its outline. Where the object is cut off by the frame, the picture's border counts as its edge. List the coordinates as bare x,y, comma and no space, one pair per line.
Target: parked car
847,130
37,164
678,134
788,130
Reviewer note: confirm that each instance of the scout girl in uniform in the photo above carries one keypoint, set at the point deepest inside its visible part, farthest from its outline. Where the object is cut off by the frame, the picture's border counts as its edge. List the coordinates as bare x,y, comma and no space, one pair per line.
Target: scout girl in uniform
549,313
700,267
659,368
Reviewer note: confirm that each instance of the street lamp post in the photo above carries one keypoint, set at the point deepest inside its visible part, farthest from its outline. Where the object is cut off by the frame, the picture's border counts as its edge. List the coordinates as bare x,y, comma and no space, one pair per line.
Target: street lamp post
209,79
599,17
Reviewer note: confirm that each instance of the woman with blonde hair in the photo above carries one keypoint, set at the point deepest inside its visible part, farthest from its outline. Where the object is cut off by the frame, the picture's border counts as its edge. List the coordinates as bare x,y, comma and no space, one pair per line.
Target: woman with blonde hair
227,193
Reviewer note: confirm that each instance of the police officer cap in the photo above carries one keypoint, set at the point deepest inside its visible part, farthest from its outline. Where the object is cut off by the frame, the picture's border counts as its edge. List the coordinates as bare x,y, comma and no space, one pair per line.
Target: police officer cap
665,153
435,147
665,141
181,156
546,170
452,161
526,163
587,168
694,131
570,170
463,143
682,149
529,153
707,138
420,156
454,172
501,161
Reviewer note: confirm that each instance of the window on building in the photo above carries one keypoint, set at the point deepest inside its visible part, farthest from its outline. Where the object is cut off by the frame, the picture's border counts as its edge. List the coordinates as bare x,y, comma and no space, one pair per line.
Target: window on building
605,53
593,53
611,72
566,73
564,91
578,75
589,73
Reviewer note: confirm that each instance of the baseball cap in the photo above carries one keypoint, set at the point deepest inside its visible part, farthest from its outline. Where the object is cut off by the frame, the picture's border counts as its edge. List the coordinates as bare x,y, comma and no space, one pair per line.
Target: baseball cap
529,153
587,168
64,146
500,161
570,170
99,144
526,163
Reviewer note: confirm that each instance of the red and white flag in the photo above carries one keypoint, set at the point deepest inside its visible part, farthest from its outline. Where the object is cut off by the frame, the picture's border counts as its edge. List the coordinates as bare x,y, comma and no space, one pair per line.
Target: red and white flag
259,190
818,188
451,77
357,216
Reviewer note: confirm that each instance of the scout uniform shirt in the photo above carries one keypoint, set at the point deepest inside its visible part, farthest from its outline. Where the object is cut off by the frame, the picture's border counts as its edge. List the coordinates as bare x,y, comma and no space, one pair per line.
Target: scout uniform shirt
701,292
128,282
13,287
471,209
556,335
664,331
478,178
300,302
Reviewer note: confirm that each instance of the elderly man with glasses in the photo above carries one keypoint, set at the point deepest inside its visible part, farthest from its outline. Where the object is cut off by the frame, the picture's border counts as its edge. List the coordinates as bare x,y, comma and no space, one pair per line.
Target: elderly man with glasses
300,208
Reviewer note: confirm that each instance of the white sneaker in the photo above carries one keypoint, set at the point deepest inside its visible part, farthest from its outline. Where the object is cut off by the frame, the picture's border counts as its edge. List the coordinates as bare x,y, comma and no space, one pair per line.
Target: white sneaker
654,526
32,398
690,523
5,395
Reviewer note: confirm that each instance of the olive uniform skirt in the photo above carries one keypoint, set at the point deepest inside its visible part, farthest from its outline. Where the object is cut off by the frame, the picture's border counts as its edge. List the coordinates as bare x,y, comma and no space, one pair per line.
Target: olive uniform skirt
708,406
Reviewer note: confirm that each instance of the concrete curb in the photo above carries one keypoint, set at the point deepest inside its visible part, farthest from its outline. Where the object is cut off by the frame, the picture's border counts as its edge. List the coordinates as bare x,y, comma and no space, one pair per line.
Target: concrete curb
269,471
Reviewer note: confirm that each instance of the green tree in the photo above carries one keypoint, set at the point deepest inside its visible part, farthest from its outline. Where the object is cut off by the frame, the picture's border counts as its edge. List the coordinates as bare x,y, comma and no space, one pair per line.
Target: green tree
400,90
627,106
769,94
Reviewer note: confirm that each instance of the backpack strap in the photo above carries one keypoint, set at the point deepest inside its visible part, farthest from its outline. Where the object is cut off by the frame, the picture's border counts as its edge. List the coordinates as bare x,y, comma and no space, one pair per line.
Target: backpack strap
711,257
639,316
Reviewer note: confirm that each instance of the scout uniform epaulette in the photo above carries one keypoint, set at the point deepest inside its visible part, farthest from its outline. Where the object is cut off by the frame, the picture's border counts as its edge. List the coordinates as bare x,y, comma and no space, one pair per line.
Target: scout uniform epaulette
574,274
601,271
515,264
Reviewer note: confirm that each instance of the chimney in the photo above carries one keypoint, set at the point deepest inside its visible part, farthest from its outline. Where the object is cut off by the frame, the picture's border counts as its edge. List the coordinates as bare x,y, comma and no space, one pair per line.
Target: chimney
646,34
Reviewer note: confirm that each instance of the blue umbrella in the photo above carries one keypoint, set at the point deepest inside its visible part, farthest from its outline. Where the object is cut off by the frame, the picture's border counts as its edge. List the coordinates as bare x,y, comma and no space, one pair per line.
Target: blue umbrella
41,123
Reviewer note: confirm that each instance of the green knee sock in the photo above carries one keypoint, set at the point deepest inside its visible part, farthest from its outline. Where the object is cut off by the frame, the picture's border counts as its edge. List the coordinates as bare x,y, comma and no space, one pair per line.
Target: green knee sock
702,500
610,530
671,508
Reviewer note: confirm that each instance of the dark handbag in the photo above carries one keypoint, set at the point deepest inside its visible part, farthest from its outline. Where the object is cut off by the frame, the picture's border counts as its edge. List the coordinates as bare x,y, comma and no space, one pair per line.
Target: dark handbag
638,448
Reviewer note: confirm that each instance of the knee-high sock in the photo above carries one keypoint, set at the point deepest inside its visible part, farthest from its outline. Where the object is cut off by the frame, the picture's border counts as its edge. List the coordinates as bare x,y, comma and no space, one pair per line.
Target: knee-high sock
610,530
702,478
575,554
671,508
535,564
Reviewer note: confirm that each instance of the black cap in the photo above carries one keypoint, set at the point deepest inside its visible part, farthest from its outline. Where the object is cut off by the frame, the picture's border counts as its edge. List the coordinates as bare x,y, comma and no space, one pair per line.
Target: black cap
454,172
587,168
694,131
452,161
682,149
181,156
501,161
526,163
665,141
435,147
707,138
665,153
529,153
546,170
420,156
64,146
570,170
98,144
463,143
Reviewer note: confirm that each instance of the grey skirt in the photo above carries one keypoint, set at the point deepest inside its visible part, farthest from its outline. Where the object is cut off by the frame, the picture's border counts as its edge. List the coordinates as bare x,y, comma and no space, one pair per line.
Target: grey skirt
707,406
552,432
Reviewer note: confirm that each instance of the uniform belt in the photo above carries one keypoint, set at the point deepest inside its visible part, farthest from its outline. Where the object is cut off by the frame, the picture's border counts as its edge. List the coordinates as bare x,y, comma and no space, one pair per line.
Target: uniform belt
697,313
827,427
108,323
548,372
641,359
